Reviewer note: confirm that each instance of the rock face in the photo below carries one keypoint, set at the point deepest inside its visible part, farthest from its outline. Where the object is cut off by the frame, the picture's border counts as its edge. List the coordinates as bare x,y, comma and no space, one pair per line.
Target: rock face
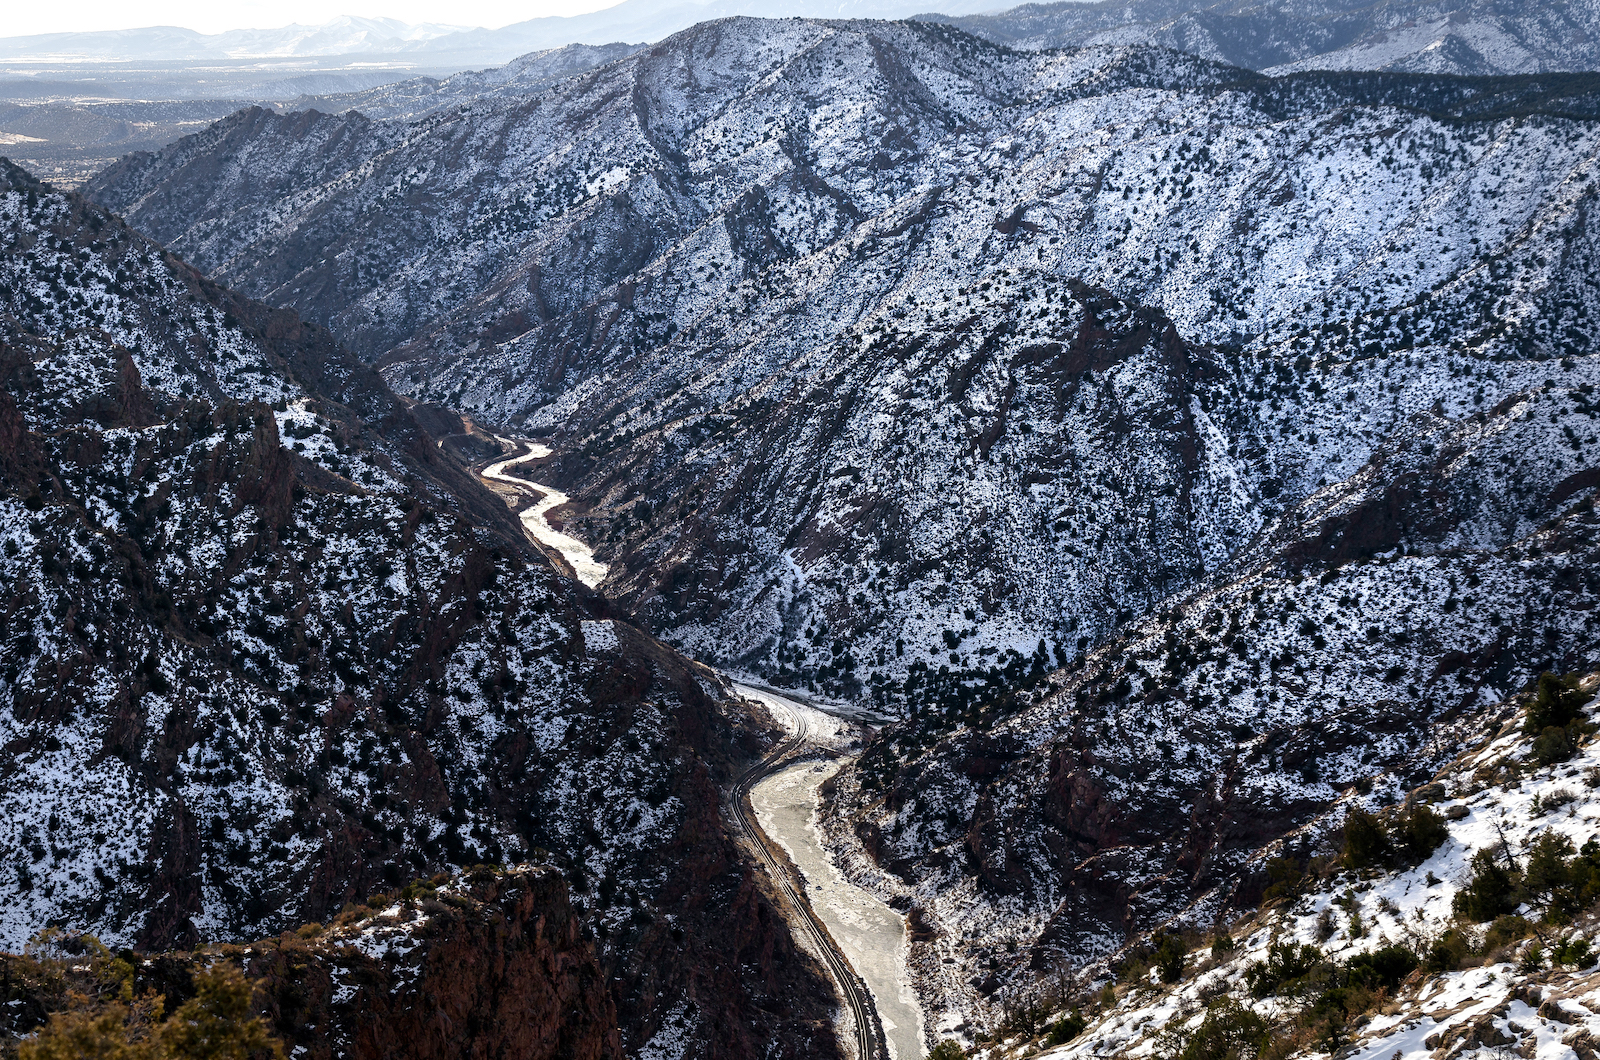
489,964
1472,38
482,963
505,971
267,651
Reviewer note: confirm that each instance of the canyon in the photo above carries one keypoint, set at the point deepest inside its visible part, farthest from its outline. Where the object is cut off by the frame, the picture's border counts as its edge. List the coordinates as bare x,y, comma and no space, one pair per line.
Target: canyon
1060,483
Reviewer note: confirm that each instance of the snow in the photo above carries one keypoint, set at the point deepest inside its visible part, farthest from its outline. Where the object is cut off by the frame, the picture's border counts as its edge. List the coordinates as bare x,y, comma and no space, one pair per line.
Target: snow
834,727
673,1041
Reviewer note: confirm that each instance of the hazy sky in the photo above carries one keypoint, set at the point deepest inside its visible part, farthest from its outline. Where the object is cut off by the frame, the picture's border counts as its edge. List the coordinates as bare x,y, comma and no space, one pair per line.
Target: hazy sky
22,18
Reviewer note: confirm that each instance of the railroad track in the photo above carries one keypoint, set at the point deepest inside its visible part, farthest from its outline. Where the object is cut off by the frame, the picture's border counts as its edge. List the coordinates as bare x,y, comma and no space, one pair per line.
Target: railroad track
869,1032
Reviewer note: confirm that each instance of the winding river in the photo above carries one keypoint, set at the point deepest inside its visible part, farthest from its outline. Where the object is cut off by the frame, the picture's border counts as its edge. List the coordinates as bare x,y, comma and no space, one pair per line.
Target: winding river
863,937
580,556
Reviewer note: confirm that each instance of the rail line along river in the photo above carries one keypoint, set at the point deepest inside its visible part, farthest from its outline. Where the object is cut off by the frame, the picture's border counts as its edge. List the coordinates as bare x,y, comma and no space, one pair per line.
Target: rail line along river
863,941
872,936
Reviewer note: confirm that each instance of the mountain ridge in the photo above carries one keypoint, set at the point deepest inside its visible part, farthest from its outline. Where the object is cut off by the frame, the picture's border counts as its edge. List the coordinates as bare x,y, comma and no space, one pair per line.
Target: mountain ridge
1473,38
536,346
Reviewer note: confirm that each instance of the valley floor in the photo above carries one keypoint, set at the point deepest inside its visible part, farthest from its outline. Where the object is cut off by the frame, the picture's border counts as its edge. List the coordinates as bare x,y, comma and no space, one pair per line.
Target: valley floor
871,936
579,556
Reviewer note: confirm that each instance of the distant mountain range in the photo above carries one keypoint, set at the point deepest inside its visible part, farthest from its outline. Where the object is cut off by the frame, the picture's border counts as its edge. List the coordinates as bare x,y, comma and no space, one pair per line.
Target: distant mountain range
1420,36
435,45
1423,36
345,35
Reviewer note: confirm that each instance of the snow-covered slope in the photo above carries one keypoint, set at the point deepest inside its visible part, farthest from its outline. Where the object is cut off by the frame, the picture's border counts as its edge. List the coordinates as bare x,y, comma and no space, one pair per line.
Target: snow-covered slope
1454,976
979,352
414,97
1471,37
1175,448
266,650
1145,781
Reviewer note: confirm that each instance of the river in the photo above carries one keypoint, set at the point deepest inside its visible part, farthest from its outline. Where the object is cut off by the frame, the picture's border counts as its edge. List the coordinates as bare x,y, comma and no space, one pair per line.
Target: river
580,556
871,936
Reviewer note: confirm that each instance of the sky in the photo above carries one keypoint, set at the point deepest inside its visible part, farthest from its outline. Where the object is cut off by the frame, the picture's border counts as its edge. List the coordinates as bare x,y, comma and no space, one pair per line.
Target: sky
208,16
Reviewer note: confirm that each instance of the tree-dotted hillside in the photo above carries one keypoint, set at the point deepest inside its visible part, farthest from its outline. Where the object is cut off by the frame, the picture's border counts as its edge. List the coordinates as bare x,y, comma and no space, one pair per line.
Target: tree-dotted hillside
264,652
911,390
1457,917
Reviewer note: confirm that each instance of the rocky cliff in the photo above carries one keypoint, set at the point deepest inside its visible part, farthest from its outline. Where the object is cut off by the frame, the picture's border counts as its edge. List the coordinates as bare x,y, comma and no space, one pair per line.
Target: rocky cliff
484,963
